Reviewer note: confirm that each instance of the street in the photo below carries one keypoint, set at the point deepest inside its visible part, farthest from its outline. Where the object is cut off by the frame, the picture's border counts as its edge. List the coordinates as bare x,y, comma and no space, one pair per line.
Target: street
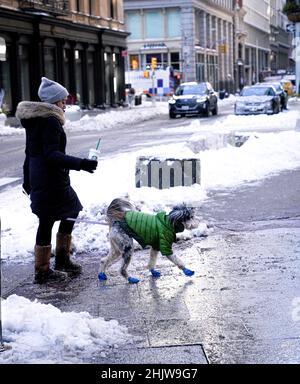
123,138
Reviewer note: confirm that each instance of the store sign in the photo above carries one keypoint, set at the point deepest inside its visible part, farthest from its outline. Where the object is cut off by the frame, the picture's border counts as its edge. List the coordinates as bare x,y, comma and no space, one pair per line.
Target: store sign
154,46
2,49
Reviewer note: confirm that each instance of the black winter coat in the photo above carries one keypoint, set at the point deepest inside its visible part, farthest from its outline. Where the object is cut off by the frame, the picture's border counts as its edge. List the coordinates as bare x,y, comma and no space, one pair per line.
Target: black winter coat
46,166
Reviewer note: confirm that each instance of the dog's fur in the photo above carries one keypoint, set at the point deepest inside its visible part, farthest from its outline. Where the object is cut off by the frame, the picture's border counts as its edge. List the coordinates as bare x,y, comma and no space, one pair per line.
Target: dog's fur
121,243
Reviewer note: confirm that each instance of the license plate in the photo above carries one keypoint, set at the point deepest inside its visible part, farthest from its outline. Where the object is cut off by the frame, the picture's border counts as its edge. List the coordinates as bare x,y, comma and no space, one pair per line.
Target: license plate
185,107
253,109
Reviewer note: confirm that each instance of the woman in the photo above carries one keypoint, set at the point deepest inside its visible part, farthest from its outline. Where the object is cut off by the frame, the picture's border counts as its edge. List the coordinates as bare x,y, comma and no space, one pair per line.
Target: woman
46,179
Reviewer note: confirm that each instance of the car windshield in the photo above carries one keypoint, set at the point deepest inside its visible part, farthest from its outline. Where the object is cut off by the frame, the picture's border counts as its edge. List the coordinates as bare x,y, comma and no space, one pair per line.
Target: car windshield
257,91
277,86
198,89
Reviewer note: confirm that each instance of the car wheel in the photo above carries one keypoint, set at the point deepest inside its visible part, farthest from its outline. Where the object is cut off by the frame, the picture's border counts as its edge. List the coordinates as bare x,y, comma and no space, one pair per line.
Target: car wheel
215,110
172,115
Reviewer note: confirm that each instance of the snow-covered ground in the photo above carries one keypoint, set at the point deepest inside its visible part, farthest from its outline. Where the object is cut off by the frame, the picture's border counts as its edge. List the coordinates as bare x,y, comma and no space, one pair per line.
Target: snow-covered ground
42,333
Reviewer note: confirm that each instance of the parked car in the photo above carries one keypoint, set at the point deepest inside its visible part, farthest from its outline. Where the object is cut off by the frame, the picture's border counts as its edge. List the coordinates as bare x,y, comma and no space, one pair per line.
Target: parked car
257,99
281,92
193,99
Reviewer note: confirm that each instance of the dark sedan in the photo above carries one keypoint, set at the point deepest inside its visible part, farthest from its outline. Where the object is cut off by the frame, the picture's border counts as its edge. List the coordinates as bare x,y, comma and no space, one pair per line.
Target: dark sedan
193,99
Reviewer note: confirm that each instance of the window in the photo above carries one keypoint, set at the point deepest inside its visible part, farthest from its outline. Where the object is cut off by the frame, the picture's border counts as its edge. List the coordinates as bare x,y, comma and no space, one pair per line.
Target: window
112,9
78,77
78,8
174,24
66,67
91,77
50,62
175,63
5,85
154,23
134,25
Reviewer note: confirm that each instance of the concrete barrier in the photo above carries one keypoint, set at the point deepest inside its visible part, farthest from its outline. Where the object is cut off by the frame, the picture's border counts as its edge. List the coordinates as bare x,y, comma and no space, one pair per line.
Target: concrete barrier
166,173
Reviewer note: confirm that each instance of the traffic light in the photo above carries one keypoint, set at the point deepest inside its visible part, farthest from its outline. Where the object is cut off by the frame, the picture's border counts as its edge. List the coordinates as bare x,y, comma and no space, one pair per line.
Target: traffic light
153,63
223,48
134,64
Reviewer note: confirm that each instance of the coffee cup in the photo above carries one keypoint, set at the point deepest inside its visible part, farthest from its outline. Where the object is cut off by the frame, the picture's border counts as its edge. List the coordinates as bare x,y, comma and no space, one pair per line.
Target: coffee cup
94,154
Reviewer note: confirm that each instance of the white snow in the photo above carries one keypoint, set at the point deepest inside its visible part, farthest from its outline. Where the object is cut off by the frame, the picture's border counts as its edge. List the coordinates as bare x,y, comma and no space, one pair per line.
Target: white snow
42,333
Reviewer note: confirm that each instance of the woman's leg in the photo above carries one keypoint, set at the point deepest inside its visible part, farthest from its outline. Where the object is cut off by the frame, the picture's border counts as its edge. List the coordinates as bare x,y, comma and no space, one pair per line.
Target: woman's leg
42,253
63,248
66,226
43,235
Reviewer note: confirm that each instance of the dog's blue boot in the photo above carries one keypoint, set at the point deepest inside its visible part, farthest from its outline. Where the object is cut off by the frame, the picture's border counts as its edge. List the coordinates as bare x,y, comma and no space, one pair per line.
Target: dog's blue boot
133,280
155,273
102,276
188,272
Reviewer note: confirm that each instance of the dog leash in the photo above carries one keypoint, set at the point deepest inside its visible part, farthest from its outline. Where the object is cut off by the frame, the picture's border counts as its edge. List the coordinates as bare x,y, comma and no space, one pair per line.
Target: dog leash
87,221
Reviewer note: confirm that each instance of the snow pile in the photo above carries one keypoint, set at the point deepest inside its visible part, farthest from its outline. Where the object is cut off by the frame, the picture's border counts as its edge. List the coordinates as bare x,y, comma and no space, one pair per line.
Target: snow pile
106,120
262,154
283,121
110,119
41,333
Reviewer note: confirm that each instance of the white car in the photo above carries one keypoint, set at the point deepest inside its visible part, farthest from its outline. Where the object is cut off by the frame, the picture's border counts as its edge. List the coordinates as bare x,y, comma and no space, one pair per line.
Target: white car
257,99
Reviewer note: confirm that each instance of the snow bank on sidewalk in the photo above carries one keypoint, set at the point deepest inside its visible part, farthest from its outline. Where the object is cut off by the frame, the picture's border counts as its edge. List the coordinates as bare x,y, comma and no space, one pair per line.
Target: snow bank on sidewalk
262,155
41,333
104,120
111,119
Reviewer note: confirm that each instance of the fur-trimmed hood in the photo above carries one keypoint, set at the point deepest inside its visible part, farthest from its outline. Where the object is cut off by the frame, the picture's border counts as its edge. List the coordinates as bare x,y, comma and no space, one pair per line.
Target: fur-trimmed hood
32,109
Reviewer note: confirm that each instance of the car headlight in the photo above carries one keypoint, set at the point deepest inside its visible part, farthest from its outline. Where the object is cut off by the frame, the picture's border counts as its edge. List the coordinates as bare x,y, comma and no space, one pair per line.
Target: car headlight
268,104
172,101
239,105
201,99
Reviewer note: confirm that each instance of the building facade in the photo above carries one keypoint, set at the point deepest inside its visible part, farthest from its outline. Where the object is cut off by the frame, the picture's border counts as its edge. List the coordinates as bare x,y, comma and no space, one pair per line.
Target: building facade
78,43
280,40
230,43
262,44
194,37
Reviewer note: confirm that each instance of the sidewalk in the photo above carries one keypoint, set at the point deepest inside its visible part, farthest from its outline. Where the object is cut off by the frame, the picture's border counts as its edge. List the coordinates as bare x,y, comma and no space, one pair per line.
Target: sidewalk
156,312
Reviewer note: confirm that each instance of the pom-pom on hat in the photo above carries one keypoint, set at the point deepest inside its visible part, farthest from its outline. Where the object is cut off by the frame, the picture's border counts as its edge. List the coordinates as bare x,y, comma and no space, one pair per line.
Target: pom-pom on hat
50,91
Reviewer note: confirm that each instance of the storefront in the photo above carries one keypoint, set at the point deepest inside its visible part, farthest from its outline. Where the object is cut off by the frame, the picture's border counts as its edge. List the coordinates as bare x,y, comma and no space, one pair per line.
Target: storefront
87,60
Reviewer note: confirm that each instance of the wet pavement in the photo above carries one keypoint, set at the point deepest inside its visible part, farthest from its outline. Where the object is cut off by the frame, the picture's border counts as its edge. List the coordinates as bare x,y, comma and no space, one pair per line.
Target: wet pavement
240,307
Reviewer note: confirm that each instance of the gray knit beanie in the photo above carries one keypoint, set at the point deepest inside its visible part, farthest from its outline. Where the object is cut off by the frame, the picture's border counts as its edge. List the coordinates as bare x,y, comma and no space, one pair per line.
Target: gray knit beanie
50,91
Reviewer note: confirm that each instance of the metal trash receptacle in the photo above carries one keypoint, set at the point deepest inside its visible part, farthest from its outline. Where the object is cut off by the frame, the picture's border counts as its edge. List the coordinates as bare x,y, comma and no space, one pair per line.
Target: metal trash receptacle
138,100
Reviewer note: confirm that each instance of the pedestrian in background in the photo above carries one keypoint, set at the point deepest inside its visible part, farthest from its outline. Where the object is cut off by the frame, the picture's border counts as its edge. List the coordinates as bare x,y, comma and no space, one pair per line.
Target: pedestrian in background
131,94
46,179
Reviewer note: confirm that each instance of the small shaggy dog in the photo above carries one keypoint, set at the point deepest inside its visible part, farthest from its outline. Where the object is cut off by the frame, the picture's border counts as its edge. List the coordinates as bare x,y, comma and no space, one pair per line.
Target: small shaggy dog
158,231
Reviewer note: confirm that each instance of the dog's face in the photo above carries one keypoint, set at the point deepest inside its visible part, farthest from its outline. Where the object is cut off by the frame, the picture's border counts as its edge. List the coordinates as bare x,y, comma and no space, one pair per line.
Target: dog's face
183,215
191,224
